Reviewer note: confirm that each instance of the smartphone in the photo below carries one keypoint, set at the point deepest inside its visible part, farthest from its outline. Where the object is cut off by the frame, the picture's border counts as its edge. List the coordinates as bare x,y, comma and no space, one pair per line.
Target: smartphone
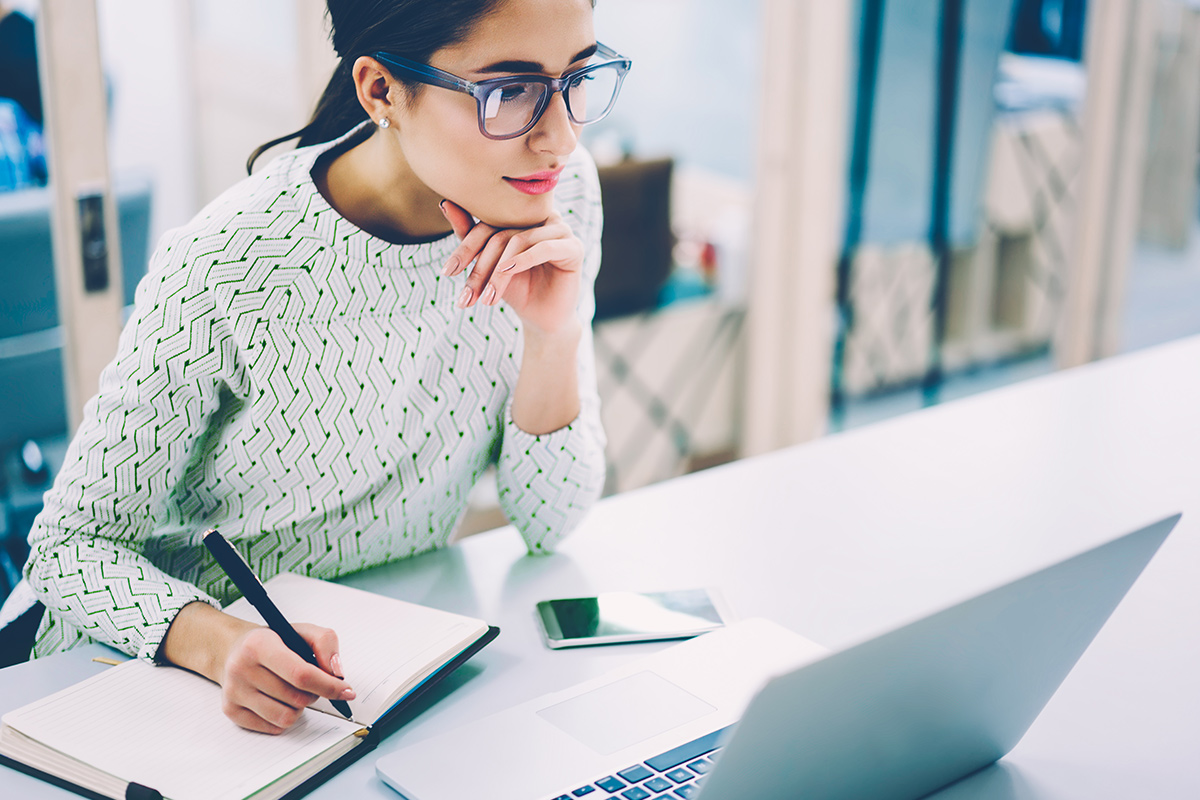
617,617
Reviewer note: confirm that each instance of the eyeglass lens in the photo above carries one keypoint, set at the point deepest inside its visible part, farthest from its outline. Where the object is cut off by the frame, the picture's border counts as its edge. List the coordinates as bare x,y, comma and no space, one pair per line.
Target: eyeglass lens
511,107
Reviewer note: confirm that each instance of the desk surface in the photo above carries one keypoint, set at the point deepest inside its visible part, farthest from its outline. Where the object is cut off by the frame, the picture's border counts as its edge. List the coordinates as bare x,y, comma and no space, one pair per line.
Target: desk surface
855,533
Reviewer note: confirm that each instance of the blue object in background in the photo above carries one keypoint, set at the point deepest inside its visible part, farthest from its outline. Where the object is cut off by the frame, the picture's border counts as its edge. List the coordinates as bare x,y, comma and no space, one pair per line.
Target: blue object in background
31,379
1052,28
898,195
32,403
22,154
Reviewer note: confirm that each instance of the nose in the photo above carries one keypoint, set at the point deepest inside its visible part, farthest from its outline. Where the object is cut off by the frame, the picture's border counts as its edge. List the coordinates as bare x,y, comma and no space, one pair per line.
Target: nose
555,132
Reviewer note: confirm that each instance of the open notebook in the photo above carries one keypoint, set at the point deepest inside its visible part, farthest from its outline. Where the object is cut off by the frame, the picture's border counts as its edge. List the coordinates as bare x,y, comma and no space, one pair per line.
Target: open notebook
162,728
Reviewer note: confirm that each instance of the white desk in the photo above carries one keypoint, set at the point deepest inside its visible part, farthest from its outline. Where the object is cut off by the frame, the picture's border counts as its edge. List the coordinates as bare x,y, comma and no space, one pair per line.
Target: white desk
858,532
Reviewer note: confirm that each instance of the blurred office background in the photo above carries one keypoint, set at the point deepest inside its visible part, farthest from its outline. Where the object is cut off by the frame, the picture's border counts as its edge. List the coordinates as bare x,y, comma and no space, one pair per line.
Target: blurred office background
820,213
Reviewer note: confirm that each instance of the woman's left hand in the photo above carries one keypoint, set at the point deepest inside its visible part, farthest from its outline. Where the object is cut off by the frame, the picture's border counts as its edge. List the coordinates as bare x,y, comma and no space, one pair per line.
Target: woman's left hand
537,270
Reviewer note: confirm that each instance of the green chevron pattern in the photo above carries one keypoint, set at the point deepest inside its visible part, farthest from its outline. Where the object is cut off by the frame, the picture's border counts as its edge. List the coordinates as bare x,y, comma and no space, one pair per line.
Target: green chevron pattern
315,393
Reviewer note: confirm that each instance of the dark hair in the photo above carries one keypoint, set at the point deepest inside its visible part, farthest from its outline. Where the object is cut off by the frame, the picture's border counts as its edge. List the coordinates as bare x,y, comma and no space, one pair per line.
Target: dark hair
414,29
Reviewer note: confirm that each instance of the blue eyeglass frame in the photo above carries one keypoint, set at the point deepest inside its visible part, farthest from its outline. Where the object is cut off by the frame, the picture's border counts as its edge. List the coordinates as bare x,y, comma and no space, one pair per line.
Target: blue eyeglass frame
423,73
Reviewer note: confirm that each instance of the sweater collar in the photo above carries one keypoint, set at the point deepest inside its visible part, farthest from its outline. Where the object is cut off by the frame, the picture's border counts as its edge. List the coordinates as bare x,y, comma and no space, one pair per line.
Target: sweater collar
343,236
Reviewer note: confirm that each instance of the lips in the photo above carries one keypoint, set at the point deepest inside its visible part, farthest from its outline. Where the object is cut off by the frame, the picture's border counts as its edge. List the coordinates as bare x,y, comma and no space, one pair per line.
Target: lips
537,183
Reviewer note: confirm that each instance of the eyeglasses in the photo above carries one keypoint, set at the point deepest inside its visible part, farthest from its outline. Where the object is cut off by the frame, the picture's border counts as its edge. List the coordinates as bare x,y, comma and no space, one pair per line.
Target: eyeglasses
510,106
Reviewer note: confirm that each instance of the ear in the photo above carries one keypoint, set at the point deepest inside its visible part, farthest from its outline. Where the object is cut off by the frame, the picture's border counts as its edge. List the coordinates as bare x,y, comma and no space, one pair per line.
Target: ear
376,89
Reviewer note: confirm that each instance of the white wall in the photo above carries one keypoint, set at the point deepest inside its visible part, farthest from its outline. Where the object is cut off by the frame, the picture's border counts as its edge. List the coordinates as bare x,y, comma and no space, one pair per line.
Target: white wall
145,48
694,89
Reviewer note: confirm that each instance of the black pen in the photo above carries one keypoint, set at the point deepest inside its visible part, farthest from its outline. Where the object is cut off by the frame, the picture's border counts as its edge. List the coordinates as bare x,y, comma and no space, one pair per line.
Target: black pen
252,589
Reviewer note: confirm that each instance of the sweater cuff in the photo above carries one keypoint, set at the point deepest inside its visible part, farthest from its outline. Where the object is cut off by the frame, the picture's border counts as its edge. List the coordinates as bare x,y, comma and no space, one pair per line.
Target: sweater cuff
154,633
547,482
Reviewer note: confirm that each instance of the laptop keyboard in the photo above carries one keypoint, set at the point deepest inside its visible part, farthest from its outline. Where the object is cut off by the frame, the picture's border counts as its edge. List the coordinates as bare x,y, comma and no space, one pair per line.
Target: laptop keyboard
674,774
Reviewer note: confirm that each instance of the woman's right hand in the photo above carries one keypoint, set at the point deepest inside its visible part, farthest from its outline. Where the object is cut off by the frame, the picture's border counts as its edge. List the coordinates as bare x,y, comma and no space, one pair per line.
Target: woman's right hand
264,685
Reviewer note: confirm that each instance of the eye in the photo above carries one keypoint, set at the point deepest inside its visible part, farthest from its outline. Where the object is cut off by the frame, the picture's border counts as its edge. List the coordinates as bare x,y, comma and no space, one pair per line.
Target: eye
514,93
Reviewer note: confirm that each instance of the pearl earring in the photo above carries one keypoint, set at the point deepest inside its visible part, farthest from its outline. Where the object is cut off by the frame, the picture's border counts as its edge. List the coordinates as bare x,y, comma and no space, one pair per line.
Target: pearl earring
384,122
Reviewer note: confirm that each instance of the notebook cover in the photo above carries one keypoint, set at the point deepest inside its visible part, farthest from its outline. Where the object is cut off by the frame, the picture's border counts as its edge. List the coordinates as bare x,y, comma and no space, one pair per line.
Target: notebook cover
393,719
62,783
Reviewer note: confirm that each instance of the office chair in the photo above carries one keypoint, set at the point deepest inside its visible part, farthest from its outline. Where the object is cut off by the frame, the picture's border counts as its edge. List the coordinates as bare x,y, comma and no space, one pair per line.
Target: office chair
637,239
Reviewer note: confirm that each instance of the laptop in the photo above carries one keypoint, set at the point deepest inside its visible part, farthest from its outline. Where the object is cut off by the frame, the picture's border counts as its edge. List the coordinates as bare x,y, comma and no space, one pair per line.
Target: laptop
756,711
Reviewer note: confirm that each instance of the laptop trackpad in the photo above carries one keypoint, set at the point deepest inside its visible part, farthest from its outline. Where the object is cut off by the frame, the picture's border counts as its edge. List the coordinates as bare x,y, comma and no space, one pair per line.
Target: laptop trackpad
625,712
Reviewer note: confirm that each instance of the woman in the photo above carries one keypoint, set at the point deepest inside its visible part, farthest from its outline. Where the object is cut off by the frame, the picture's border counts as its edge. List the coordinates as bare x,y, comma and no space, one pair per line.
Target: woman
314,366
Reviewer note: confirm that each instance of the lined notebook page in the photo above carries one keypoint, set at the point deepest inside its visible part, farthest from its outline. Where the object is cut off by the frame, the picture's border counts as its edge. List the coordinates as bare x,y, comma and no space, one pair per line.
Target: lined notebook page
163,728
384,643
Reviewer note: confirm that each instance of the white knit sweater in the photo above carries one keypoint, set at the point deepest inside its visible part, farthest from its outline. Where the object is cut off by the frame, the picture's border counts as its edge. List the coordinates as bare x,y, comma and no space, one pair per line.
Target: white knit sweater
312,391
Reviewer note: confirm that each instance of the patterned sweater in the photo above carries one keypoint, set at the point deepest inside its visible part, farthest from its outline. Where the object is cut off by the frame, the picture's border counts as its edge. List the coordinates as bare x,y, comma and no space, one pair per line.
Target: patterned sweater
312,391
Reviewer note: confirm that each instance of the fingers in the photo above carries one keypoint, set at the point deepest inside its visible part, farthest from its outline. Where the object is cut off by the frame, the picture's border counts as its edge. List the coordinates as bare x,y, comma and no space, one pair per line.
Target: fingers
457,216
485,264
265,702
550,251
324,643
266,686
245,718
297,672
474,240
500,254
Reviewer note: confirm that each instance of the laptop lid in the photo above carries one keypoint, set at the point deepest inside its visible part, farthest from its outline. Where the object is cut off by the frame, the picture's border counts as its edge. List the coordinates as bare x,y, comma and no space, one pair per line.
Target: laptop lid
906,713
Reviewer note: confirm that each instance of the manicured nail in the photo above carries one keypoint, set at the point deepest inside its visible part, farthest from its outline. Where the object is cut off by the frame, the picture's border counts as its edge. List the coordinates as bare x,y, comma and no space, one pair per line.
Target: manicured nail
508,266
451,266
347,694
442,206
489,295
465,297
335,663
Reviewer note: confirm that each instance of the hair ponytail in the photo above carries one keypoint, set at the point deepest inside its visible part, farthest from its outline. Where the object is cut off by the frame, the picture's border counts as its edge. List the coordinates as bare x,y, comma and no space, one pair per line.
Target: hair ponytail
414,29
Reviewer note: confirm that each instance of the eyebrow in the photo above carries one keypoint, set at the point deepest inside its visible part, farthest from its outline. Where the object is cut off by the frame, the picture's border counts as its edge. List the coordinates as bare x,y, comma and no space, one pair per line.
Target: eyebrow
521,67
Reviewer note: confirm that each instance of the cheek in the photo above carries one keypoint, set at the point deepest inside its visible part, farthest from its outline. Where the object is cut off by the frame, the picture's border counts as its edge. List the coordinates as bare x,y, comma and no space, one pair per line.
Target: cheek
444,157
469,170
448,154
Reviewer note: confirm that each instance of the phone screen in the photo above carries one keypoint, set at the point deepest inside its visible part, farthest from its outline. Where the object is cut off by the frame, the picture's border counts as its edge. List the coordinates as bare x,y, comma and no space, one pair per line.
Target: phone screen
628,617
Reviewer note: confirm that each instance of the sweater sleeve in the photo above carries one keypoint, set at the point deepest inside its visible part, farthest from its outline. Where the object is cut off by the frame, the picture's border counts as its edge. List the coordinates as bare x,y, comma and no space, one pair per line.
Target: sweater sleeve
548,483
138,436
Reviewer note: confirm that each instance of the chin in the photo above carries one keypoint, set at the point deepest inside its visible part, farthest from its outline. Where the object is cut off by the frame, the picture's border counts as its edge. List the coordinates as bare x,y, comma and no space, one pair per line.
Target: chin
518,215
